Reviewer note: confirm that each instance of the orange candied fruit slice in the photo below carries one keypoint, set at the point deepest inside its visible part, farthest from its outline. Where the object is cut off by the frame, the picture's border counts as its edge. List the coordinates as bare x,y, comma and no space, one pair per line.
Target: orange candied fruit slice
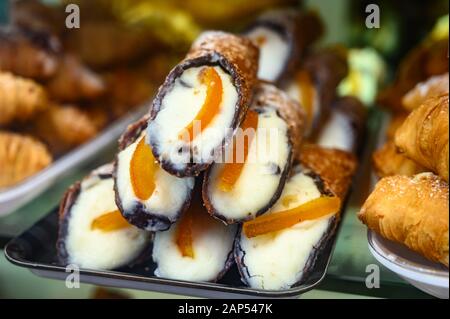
307,92
288,199
110,221
311,210
142,170
211,105
231,171
184,236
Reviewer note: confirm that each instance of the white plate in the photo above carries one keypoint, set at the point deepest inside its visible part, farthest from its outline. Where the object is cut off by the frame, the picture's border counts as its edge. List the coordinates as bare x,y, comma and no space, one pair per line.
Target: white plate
425,275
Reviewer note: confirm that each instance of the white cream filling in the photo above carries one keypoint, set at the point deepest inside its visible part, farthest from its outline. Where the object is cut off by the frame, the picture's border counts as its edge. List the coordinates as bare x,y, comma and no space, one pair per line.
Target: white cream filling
180,107
211,247
296,93
258,181
97,249
273,52
170,192
277,260
337,133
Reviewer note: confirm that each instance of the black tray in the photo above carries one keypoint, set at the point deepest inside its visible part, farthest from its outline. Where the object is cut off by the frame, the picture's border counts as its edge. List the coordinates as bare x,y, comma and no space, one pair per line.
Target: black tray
35,249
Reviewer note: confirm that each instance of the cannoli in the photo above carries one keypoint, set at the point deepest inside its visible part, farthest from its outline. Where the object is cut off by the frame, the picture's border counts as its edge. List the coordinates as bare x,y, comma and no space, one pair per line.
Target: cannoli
412,211
147,196
196,248
283,36
435,86
314,84
20,98
387,161
255,166
29,53
277,250
201,103
20,157
423,137
92,232
344,128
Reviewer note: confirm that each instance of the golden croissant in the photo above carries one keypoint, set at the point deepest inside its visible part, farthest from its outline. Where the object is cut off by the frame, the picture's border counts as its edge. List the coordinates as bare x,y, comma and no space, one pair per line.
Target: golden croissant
63,127
20,98
74,82
412,211
28,54
20,157
424,135
435,86
387,161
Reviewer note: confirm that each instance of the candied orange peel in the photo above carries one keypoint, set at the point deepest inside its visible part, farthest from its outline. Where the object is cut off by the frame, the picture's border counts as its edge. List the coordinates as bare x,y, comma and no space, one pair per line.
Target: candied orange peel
211,105
110,221
143,167
231,171
277,221
184,238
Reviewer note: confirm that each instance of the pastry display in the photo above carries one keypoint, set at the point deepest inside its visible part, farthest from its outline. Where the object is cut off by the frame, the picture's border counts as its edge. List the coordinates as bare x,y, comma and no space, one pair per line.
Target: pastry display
409,204
63,87
225,168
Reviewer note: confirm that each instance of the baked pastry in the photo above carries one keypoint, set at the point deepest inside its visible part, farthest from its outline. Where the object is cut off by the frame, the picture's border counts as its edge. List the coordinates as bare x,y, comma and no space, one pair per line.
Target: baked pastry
20,157
73,82
412,211
63,127
28,53
20,98
434,86
396,121
387,161
424,135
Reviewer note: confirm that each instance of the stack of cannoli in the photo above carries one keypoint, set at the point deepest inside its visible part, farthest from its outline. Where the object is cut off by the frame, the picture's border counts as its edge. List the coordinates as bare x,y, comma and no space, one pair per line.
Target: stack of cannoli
223,169
409,205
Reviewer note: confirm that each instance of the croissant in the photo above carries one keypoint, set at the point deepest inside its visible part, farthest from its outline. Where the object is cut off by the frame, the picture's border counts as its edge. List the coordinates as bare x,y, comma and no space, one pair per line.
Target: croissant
412,211
396,121
424,135
434,86
63,127
387,161
73,82
28,54
20,98
20,157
